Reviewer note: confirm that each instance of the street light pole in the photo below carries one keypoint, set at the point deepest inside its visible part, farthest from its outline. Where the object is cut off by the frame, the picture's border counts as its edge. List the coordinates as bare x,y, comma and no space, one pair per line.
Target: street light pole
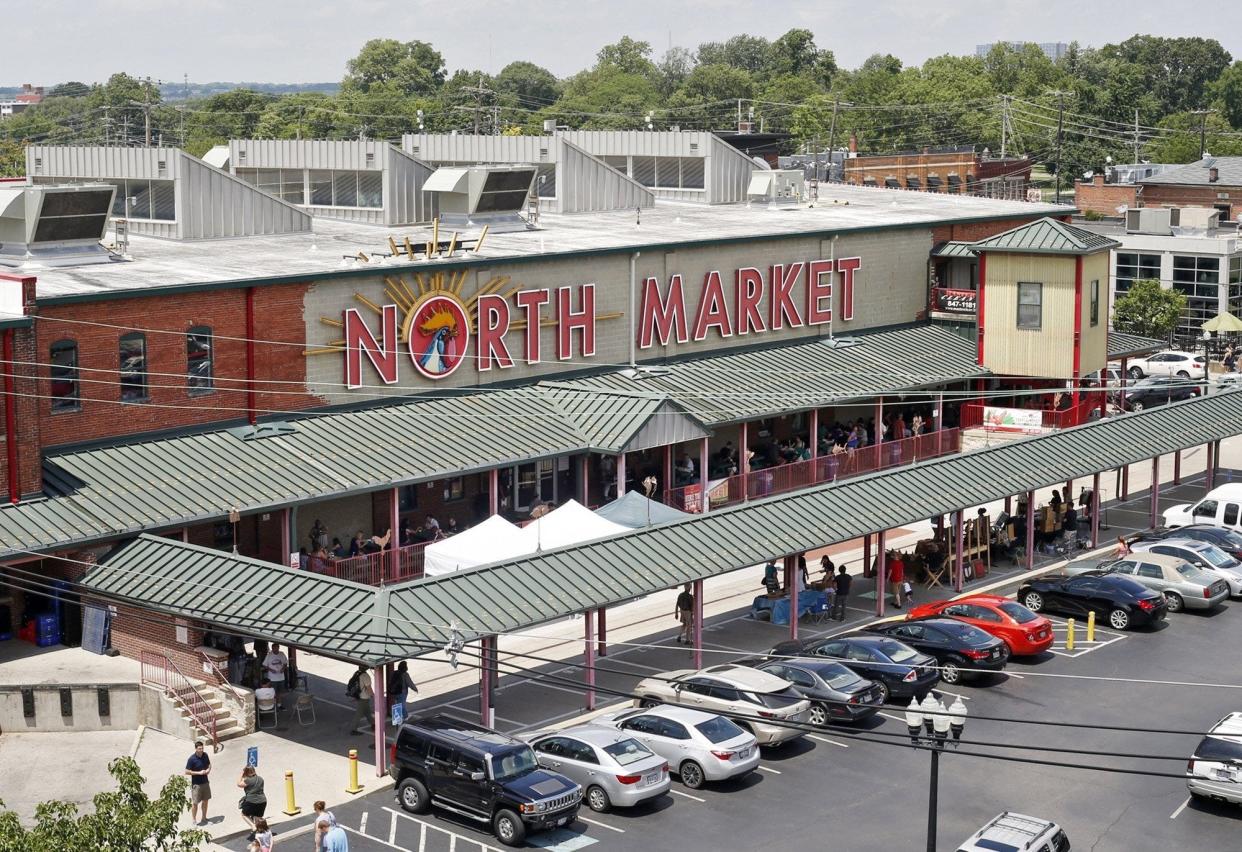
929,724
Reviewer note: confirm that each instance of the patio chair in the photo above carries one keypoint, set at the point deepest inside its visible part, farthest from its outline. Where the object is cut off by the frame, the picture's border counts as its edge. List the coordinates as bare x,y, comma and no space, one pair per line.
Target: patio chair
305,705
267,708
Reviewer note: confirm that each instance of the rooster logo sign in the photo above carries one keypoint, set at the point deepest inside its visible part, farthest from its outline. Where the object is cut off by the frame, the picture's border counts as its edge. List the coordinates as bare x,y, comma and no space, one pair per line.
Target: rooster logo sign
438,334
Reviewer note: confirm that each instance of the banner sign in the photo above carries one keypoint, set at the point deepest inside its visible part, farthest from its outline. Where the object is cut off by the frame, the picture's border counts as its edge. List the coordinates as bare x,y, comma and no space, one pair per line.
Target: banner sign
1012,419
956,301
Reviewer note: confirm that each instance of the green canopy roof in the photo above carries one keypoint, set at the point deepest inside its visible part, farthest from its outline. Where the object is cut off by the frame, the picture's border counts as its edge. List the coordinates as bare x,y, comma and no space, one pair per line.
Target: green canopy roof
1046,236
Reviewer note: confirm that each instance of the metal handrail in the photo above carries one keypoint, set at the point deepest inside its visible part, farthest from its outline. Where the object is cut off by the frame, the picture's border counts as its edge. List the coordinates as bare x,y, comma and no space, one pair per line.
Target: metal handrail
224,680
158,670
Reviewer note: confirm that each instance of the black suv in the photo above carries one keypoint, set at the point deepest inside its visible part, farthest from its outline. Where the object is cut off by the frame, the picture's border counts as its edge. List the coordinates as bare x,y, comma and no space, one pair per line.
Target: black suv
479,774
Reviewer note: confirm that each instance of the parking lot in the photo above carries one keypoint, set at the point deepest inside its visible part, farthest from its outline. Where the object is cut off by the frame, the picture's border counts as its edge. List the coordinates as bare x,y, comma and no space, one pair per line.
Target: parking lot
864,788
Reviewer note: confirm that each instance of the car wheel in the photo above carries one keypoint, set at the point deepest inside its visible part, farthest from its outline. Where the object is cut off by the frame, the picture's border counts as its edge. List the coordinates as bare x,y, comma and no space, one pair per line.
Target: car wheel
648,702
508,827
1033,601
1137,405
1182,374
819,714
691,775
885,692
597,799
1119,619
1136,373
1176,604
413,796
951,670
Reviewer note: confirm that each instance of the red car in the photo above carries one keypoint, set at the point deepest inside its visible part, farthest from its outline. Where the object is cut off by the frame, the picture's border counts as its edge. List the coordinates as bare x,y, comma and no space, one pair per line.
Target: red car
1022,630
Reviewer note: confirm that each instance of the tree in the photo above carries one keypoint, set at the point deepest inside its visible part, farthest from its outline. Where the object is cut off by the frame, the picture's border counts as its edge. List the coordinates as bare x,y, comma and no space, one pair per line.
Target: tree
12,159
71,89
1226,94
126,819
628,57
795,53
747,52
604,99
219,118
1178,70
1148,309
413,67
304,115
673,69
1180,141
527,85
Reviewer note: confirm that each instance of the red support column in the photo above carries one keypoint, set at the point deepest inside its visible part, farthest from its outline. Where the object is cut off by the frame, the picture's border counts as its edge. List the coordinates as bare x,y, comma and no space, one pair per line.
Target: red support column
1215,458
1177,468
1095,510
588,618
493,492
620,475
286,539
379,706
793,579
602,644
867,553
584,479
1008,505
877,432
697,626
1125,482
1068,494
1210,468
813,436
938,423
394,541
1030,530
704,452
1121,391
1155,489
666,485
958,542
881,569
486,658
743,459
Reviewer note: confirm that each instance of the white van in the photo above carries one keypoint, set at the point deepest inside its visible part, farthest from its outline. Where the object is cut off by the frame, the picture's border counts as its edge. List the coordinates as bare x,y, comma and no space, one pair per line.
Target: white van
1220,507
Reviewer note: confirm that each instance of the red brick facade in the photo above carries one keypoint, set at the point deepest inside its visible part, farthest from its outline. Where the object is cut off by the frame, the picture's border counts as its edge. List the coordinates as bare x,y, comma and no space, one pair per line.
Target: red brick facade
1104,198
1097,196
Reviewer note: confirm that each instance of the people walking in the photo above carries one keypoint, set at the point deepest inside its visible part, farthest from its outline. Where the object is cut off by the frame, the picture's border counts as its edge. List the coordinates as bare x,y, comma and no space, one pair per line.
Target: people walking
334,837
253,802
262,835
198,767
843,593
400,685
359,689
684,613
324,818
897,578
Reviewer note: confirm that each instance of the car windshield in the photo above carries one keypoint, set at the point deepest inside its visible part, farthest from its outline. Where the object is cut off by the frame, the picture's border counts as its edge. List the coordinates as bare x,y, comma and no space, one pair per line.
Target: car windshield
627,752
838,676
964,632
1216,557
718,729
773,700
896,651
995,845
1017,612
508,765
1214,748
1125,584
1193,573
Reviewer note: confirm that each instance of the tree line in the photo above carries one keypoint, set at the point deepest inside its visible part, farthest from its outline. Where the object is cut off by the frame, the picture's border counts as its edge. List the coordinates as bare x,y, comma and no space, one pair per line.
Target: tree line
1174,89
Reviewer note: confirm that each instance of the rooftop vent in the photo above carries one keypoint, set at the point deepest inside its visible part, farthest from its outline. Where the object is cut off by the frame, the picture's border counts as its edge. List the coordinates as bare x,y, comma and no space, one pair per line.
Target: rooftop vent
483,195
54,225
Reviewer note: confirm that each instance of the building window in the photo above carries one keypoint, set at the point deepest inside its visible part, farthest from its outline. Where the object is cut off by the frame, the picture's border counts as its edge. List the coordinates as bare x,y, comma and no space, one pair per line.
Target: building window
1095,302
1198,278
143,199
64,372
199,364
1136,267
1235,286
454,489
1030,304
133,355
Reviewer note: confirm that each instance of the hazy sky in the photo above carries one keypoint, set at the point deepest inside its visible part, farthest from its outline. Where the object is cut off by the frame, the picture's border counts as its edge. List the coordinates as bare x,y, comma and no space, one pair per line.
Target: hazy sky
51,41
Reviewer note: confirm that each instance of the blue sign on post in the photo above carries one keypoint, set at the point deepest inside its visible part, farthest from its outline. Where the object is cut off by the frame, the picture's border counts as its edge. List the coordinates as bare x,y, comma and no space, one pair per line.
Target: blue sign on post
398,713
252,756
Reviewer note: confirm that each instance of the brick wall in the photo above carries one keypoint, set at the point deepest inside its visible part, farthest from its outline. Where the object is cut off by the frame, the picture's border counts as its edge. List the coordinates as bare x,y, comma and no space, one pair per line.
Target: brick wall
1161,195
973,231
135,630
1104,198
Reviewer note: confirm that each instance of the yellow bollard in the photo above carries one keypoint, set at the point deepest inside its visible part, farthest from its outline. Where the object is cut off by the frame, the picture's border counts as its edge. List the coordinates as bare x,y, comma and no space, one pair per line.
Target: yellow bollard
1090,627
354,786
291,805
1069,634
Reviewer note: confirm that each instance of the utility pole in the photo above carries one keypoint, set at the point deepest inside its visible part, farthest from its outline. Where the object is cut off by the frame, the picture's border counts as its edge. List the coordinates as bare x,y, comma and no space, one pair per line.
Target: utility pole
832,132
1136,136
1060,96
1203,114
1004,123
479,91
146,110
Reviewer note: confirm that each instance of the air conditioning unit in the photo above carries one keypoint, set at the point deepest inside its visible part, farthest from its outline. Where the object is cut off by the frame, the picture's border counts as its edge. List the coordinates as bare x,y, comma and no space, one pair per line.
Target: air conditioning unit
1157,221
54,225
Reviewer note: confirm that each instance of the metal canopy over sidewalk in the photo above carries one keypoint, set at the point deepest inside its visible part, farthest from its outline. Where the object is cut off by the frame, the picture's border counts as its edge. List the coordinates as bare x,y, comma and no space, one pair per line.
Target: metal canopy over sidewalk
409,619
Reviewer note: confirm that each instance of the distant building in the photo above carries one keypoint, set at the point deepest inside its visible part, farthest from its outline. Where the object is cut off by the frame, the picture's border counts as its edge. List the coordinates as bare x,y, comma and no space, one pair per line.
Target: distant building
27,97
958,170
1214,182
1054,50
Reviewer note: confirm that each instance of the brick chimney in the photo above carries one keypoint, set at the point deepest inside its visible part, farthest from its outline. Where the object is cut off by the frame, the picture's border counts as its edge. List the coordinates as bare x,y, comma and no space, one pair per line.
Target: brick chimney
853,144
1213,174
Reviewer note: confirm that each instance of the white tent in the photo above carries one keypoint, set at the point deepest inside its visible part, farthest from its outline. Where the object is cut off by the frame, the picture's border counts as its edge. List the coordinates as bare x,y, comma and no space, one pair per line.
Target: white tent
491,541
636,511
568,524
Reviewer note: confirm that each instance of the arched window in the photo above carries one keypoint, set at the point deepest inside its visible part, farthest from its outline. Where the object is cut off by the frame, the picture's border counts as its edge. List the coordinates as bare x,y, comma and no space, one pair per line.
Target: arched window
64,370
199,363
133,366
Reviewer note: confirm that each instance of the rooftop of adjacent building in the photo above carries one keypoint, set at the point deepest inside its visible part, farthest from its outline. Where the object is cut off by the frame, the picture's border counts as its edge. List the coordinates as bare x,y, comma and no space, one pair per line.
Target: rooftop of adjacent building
332,247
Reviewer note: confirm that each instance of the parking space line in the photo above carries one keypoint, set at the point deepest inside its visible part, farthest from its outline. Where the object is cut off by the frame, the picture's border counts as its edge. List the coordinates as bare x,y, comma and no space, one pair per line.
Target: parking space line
954,694
1180,808
770,769
423,833
376,839
602,825
362,826
826,740
891,716
453,843
1018,676
687,796
392,829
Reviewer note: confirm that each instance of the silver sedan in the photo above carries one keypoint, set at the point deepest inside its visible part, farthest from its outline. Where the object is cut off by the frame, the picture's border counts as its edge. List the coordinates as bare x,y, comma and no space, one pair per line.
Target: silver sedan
699,746
614,768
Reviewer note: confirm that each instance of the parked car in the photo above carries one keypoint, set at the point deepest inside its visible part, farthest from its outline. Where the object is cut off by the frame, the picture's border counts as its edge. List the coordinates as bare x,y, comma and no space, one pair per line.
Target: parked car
1171,362
1184,586
1122,601
1220,507
960,649
479,774
1013,832
1215,769
1202,554
1227,540
698,746
901,672
835,692
1024,632
757,700
613,768
1159,390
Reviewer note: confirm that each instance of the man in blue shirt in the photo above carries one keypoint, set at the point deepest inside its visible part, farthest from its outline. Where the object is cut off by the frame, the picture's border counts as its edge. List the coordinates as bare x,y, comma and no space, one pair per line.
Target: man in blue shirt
334,838
198,767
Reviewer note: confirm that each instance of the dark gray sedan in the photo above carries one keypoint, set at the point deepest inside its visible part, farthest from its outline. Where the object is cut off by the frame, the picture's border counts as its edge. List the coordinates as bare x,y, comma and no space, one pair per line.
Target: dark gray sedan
836,693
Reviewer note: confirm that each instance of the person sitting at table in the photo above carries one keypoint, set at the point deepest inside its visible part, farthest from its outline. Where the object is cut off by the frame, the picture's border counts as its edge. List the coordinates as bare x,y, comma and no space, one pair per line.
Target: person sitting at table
685,470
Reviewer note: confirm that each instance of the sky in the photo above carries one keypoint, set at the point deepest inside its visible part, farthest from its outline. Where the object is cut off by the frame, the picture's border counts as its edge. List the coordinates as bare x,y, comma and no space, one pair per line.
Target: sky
301,41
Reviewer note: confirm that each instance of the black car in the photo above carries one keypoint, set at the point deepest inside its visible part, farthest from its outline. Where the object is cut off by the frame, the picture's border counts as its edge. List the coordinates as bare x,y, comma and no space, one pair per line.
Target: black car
1124,602
1226,539
1159,390
836,693
900,671
959,648
479,774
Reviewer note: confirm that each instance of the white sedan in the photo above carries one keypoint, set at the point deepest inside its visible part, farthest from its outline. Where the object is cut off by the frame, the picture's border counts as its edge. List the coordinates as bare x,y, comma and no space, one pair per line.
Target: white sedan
1172,362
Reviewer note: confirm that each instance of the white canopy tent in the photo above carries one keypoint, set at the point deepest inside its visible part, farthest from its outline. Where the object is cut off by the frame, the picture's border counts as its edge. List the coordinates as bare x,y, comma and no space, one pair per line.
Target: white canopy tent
491,541
569,524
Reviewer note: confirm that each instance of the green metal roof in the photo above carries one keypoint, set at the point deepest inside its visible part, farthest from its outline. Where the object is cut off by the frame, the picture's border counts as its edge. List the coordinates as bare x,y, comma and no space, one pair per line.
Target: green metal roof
409,619
610,421
1047,236
954,248
1124,345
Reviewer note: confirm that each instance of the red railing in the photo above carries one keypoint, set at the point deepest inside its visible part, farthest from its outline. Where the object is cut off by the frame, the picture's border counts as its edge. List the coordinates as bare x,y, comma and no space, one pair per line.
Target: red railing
158,670
376,569
790,477
224,680
973,416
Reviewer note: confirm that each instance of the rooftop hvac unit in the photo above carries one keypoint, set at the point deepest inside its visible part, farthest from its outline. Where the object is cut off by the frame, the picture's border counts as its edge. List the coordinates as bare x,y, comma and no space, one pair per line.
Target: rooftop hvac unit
54,225
1157,221
775,185
483,195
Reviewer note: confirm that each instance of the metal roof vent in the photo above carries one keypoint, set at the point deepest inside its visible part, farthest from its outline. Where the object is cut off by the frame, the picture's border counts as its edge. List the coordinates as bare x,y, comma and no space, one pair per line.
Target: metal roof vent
483,195
46,226
260,431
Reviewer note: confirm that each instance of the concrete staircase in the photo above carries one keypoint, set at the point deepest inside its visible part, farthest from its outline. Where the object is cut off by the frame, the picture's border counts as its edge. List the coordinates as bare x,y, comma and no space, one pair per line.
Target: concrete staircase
231,720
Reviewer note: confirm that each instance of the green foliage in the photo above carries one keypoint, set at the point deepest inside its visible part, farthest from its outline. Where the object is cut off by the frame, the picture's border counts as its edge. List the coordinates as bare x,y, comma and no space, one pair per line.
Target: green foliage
746,52
71,89
1177,71
12,159
1148,309
124,819
410,67
527,85
605,99
1184,147
627,56
1226,94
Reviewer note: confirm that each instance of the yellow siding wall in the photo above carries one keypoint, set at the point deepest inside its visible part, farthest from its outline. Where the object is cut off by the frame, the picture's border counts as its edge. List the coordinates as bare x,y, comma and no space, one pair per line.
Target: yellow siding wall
1094,339
1008,350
